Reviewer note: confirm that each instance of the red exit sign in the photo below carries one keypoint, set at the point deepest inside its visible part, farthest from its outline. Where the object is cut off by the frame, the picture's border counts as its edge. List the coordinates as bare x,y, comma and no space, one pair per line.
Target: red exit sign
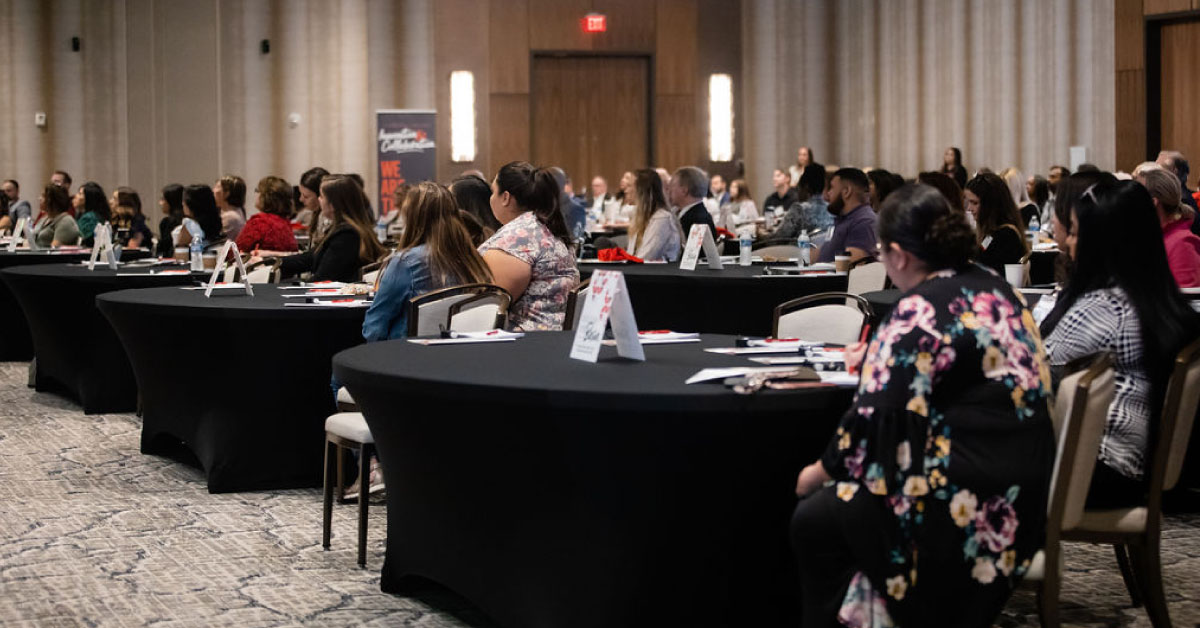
595,23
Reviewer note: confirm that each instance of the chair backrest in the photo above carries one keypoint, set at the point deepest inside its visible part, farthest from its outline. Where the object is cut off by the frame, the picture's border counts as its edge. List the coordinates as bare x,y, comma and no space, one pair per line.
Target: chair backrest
1179,415
1080,413
263,271
869,277
453,309
370,272
575,304
833,317
779,251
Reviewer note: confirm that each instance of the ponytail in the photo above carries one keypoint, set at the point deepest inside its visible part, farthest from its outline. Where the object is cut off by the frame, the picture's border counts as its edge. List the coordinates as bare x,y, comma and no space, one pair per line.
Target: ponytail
535,190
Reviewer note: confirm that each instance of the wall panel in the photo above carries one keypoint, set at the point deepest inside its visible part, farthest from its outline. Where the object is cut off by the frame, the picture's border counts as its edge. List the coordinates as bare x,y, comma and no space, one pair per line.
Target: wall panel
508,48
631,26
675,61
509,120
554,24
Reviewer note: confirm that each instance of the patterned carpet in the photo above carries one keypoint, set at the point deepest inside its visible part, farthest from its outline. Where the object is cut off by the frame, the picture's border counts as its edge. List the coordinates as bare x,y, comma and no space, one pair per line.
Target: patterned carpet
93,533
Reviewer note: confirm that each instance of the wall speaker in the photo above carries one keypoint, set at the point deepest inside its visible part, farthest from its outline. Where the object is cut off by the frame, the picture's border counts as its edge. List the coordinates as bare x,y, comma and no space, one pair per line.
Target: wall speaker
265,46
75,44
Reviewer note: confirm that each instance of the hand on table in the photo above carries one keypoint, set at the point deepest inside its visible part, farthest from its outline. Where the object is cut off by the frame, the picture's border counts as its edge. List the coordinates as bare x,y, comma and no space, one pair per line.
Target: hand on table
811,478
854,355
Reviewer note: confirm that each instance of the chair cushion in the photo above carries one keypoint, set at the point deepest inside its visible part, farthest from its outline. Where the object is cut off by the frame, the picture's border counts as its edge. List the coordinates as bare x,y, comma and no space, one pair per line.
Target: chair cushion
343,396
350,426
1131,520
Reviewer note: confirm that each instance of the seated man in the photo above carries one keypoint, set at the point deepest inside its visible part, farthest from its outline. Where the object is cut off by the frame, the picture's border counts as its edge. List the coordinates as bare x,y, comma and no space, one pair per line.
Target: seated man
686,191
853,218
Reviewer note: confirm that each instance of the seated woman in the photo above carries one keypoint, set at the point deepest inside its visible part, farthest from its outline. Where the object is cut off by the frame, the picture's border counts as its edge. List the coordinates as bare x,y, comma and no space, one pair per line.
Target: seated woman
230,194
941,466
655,233
269,229
530,256
350,242
999,229
434,252
472,195
201,219
1175,218
622,211
171,204
1121,299
56,227
740,214
129,223
1018,189
91,209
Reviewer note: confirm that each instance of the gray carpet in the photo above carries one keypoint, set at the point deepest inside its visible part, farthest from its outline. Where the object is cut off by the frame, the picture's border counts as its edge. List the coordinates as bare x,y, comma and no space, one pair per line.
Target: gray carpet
93,533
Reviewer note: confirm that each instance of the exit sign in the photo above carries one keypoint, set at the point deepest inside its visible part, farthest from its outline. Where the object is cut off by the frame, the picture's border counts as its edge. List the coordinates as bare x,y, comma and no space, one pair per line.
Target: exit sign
595,23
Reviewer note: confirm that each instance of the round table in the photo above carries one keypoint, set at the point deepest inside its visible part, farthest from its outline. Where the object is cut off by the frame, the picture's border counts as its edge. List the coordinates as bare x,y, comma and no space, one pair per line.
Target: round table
1041,267
554,492
76,349
15,343
240,382
733,300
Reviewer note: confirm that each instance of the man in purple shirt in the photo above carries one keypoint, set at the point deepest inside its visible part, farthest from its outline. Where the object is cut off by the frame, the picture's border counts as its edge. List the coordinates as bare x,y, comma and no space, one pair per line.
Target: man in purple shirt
853,218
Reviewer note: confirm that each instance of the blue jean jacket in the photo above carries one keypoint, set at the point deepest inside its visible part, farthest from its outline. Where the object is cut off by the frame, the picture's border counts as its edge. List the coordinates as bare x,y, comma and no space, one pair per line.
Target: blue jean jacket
405,276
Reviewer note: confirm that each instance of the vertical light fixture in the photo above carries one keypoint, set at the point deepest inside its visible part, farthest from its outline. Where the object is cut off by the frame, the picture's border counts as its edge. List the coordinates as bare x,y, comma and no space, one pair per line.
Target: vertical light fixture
462,116
720,117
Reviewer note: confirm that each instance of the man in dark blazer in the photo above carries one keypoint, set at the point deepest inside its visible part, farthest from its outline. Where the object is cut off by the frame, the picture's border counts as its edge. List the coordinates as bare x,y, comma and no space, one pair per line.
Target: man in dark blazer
686,190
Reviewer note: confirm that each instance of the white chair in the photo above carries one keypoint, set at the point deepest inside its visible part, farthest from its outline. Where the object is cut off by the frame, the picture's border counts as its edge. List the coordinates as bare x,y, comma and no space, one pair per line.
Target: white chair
831,317
864,278
469,307
347,430
262,271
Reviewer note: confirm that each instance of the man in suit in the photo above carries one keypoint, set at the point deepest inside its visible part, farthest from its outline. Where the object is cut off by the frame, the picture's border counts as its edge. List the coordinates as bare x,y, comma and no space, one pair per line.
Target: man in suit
687,190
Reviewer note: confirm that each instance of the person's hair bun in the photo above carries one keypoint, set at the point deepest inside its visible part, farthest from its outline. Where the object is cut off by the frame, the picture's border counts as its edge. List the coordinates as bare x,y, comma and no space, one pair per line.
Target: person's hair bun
951,240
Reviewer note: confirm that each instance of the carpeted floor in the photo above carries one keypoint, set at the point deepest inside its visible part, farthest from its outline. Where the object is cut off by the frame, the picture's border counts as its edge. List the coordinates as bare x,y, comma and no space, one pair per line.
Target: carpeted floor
93,533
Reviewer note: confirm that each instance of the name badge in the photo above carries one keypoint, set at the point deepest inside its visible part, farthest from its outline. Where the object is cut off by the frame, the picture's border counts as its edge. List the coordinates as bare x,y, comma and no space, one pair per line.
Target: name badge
986,242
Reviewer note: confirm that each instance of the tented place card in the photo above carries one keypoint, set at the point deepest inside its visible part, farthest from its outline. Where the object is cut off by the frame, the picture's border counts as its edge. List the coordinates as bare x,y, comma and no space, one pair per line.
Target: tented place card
607,300
230,246
700,237
103,245
18,229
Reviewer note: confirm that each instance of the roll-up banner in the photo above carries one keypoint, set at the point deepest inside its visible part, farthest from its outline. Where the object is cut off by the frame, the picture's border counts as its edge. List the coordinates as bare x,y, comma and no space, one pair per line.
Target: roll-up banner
406,150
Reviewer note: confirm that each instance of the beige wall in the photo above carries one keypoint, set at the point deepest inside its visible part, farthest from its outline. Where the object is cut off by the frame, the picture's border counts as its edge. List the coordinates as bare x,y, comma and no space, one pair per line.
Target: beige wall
178,91
891,83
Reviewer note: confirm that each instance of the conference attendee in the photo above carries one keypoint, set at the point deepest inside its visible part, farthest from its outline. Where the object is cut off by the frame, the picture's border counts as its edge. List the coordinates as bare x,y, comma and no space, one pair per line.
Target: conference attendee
201,219
18,208
944,184
574,213
350,242
622,211
63,180
91,209
853,218
1121,299
170,203
811,214
434,252
269,229
952,165
717,190
998,226
230,192
804,159
940,469
128,221
530,256
3,206
1181,245
740,209
55,227
473,196
1056,174
1038,189
685,192
310,214
1175,162
655,233
782,196
882,184
1015,180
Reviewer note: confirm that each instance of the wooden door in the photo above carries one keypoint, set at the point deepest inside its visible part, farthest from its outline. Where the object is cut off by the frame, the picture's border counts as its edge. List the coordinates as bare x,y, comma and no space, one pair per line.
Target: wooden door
1180,52
590,116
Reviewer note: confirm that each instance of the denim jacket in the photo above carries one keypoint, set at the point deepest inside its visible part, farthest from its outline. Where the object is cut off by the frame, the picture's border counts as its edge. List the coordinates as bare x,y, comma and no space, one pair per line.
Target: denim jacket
404,276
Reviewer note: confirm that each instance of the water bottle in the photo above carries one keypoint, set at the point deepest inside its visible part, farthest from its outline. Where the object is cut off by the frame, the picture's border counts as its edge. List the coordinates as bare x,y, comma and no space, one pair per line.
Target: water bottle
381,229
805,246
1035,228
197,254
745,246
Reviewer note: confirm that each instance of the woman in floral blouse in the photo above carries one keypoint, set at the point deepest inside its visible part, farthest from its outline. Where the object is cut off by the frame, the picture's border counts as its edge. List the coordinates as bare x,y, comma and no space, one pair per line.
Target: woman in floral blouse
930,500
529,256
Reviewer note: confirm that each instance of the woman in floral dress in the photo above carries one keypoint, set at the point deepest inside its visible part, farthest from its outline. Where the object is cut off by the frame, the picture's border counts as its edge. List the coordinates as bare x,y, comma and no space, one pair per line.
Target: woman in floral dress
930,500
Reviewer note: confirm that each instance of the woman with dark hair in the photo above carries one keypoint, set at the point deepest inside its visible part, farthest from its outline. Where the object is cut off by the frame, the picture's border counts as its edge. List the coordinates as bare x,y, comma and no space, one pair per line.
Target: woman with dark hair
350,243
201,218
269,230
310,190
941,466
170,202
804,159
655,233
230,193
128,220
530,256
998,227
1121,299
952,166
882,184
472,194
944,184
56,227
91,209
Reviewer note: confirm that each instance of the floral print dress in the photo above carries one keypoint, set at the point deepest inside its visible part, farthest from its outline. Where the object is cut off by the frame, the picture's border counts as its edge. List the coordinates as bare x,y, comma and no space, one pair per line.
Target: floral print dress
947,454
553,275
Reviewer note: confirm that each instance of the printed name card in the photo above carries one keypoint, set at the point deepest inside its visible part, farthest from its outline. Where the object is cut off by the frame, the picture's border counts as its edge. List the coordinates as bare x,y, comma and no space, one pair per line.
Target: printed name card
102,245
607,300
219,269
700,237
18,230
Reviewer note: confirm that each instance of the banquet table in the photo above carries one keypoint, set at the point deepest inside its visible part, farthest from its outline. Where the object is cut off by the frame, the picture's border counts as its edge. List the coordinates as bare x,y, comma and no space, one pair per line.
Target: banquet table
555,492
240,383
1041,267
15,342
733,300
76,349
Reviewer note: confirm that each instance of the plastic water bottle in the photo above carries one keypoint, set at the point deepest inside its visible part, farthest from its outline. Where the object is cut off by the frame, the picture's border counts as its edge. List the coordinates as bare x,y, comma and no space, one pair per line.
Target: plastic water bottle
745,245
1035,230
805,246
197,254
381,228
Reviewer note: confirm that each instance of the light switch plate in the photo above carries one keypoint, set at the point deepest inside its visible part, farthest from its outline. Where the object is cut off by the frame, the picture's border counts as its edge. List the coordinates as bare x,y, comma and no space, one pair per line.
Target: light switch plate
39,119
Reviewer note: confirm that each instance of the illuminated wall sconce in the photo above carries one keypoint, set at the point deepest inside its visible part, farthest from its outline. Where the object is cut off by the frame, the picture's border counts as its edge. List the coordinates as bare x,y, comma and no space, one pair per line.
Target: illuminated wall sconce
720,117
462,116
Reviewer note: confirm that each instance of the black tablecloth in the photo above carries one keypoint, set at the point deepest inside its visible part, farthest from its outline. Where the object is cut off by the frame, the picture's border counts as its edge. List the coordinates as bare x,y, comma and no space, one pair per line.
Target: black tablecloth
15,343
77,351
242,382
553,492
734,300
1041,267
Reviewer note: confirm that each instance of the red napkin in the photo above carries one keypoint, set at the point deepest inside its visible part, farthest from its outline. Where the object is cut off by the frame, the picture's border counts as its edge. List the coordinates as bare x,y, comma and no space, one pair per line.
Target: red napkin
616,254
727,233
